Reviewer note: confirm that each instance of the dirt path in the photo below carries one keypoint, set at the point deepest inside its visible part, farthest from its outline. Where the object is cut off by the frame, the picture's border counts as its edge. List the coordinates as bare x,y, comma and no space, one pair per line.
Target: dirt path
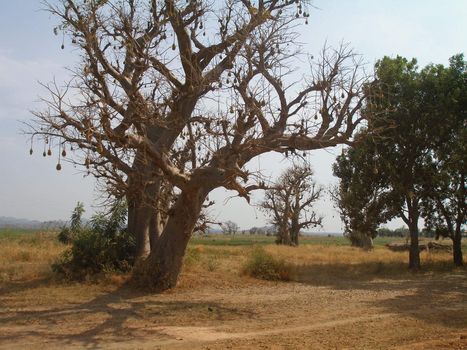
416,313
208,334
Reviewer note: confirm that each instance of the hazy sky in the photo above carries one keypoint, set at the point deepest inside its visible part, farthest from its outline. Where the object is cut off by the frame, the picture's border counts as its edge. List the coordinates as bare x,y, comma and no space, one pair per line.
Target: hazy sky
30,187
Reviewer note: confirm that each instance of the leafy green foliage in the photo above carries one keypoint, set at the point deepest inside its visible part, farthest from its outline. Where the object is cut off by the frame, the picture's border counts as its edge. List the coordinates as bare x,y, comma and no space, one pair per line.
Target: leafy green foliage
67,234
76,216
363,197
104,245
411,161
386,172
64,236
444,204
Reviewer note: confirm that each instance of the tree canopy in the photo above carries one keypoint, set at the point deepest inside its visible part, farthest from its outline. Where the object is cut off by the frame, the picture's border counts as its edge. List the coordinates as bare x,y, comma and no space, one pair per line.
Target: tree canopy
363,196
445,207
172,99
410,162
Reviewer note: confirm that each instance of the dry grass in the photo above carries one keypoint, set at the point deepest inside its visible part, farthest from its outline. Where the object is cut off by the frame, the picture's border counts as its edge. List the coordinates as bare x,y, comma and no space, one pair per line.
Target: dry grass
316,263
344,298
28,256
322,264
324,254
267,266
346,255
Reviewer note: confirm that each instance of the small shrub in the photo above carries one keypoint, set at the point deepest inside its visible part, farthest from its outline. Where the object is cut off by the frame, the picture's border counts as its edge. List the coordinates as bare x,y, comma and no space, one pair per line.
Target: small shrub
192,256
92,253
265,266
212,263
65,236
68,233
102,247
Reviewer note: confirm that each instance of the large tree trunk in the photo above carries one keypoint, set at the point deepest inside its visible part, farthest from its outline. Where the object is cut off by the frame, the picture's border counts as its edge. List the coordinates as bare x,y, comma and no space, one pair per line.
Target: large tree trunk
361,240
144,196
366,242
283,236
294,238
457,248
414,251
160,270
144,219
139,219
145,223
412,223
294,233
155,229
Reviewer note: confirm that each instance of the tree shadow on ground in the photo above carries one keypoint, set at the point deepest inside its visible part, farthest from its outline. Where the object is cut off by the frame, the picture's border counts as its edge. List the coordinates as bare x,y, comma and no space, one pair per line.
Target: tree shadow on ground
117,316
436,294
11,288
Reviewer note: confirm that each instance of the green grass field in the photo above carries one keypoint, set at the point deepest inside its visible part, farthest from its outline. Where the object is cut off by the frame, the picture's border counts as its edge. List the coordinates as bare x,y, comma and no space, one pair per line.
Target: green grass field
15,232
245,240
214,240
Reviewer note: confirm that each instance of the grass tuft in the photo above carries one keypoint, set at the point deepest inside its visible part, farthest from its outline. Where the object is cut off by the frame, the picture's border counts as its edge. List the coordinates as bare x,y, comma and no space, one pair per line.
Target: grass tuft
263,265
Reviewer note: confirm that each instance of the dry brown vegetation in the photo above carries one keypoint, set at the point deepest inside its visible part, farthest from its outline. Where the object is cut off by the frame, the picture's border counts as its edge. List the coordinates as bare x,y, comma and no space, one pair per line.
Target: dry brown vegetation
338,297
28,256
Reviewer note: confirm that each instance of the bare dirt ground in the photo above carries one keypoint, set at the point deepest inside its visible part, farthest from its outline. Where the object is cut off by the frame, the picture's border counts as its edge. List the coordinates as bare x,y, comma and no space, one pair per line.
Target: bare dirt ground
212,311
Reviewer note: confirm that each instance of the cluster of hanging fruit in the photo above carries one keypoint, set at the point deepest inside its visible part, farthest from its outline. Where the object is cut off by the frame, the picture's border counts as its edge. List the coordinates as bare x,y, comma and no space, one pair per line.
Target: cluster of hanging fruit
48,151
229,78
62,153
199,23
301,12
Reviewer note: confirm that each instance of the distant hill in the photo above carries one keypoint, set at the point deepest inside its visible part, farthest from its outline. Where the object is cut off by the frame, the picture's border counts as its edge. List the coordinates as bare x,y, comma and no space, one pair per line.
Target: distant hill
10,222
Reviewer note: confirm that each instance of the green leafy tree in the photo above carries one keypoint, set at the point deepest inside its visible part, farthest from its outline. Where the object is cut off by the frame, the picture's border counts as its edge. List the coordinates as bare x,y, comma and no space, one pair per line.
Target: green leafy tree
363,196
76,216
445,203
411,162
403,125
384,232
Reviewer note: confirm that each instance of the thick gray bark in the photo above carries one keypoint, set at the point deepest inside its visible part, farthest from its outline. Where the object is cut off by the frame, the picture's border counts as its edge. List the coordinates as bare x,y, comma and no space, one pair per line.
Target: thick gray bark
283,235
139,220
361,240
161,269
294,232
144,217
412,222
367,243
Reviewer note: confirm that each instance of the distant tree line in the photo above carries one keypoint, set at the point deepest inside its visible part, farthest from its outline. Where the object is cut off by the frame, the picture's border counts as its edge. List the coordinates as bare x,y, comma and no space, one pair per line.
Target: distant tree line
403,232
266,231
